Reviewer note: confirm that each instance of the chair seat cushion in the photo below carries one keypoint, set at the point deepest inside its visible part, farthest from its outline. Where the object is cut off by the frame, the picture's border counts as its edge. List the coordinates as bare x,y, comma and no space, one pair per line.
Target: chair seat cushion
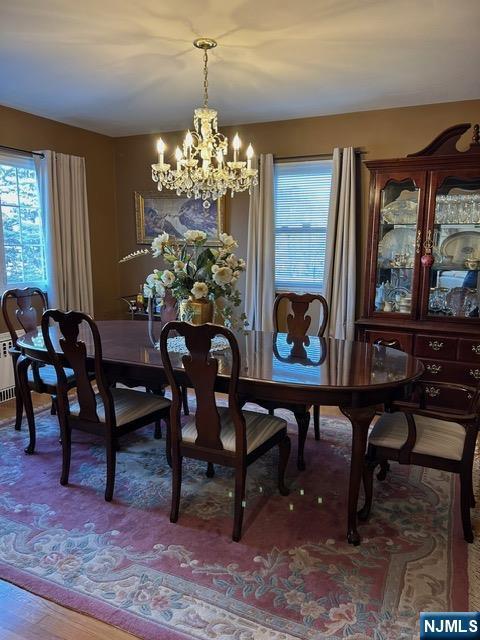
434,437
129,404
48,375
259,428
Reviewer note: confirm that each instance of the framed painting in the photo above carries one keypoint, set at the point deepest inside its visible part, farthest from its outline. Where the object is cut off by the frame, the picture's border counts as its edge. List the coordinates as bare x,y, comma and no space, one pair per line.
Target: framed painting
157,212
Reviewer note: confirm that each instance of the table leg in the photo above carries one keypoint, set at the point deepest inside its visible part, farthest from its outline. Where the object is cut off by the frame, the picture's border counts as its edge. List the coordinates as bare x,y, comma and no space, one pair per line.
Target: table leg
360,420
302,416
22,376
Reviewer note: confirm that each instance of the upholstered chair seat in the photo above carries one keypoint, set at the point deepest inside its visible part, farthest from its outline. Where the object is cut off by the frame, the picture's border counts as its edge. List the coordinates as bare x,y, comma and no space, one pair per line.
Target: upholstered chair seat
129,405
260,427
435,437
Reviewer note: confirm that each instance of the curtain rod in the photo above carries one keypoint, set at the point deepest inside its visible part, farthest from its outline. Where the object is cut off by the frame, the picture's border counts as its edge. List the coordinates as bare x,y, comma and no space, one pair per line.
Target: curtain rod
358,152
26,151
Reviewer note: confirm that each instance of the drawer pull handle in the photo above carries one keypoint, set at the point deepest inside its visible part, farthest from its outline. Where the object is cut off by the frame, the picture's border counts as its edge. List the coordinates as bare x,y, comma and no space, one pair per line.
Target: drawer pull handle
434,368
435,345
475,373
433,392
476,349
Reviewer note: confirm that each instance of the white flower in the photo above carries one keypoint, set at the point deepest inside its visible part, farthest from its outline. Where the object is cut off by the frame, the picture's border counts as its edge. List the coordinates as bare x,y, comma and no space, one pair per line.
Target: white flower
199,290
158,244
241,263
222,276
151,280
178,265
215,268
228,241
236,274
233,280
168,278
232,260
147,291
193,235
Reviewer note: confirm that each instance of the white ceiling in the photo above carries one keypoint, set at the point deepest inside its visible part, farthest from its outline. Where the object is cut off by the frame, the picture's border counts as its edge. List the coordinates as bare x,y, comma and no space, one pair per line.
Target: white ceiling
122,67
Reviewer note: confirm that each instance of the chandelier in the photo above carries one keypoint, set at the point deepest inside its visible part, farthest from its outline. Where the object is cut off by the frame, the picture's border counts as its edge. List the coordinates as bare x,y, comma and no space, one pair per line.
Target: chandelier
202,168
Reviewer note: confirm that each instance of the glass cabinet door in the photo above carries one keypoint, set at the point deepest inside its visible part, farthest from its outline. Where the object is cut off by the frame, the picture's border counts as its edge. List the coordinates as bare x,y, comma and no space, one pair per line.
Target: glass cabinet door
398,243
453,239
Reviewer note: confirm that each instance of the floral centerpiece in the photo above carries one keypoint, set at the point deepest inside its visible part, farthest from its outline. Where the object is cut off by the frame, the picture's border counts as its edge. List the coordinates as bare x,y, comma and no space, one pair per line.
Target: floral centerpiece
198,275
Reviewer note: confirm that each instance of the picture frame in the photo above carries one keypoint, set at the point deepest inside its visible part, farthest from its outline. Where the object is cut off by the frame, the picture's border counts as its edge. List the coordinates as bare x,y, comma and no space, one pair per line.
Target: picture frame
158,212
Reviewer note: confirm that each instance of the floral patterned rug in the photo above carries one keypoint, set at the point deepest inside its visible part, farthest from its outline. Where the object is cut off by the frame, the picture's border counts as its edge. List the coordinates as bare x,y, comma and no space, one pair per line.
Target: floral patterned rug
293,575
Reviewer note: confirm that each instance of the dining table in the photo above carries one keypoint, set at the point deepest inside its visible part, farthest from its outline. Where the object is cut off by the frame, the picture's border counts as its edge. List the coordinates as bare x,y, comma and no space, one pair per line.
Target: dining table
357,377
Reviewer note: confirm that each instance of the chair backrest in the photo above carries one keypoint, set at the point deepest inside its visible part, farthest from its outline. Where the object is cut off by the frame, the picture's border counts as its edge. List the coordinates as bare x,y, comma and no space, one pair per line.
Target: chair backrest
25,313
201,367
74,355
298,323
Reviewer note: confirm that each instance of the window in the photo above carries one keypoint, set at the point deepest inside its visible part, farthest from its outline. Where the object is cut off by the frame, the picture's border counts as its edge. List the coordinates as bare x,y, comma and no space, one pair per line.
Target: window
22,241
301,197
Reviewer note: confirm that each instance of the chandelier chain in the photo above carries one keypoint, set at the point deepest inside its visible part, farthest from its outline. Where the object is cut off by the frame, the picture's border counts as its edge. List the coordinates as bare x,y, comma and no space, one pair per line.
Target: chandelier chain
205,78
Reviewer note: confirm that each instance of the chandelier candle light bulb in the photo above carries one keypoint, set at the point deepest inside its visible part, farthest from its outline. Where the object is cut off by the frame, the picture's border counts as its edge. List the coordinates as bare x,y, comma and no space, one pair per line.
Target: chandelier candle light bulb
206,179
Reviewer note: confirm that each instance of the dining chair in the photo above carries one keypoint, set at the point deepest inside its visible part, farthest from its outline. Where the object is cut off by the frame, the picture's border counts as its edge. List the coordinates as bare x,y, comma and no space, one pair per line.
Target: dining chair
428,436
298,326
110,412
17,304
226,436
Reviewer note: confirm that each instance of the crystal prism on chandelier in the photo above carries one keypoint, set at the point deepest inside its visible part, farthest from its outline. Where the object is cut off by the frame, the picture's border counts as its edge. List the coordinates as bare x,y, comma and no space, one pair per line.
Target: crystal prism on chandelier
202,168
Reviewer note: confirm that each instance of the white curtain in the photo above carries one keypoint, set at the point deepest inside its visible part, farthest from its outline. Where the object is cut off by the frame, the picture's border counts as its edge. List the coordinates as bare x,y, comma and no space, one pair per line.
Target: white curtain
260,285
340,259
63,192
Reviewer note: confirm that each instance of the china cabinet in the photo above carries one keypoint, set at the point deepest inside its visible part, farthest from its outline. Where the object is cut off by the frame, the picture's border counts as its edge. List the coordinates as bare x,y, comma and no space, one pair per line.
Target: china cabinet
423,259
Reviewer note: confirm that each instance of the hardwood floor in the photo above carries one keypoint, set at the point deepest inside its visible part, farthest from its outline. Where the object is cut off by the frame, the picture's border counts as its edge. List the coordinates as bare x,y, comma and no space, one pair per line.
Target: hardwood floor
25,616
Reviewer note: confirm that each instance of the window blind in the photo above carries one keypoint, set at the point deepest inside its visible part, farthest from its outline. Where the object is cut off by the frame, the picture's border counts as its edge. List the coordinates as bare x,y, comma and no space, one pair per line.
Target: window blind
301,202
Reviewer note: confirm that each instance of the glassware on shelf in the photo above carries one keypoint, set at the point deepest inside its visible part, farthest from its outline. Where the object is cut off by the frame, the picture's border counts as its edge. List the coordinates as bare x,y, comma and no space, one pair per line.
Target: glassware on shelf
457,208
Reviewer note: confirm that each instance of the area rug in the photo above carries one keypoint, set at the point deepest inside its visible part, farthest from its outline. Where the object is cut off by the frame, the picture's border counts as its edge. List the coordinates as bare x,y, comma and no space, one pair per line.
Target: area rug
293,575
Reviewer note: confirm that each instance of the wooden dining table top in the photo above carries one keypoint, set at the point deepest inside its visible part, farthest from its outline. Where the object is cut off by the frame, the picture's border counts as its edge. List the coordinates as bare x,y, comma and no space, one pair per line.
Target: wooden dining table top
311,365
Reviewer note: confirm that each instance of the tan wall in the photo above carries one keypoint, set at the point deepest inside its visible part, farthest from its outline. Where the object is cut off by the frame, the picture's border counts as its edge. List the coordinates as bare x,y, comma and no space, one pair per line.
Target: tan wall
26,131
388,133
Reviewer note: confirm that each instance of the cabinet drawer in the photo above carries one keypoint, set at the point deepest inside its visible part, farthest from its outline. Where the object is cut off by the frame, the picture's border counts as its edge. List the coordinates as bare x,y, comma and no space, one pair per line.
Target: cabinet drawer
469,350
458,372
441,370
448,398
405,339
442,347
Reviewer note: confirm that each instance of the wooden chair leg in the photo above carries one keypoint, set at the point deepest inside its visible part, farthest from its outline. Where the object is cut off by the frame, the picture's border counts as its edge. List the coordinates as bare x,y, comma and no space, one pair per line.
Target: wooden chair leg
168,442
53,409
111,448
284,447
210,470
18,405
465,501
316,421
384,469
66,442
271,412
22,377
186,410
176,487
472,497
303,421
240,477
157,434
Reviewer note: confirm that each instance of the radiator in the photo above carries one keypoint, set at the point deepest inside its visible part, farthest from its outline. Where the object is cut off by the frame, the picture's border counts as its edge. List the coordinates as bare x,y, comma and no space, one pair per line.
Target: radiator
7,381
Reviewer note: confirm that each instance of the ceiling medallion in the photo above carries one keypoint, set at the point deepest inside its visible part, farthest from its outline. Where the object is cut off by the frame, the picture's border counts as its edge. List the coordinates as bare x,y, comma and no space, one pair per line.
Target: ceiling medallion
202,168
